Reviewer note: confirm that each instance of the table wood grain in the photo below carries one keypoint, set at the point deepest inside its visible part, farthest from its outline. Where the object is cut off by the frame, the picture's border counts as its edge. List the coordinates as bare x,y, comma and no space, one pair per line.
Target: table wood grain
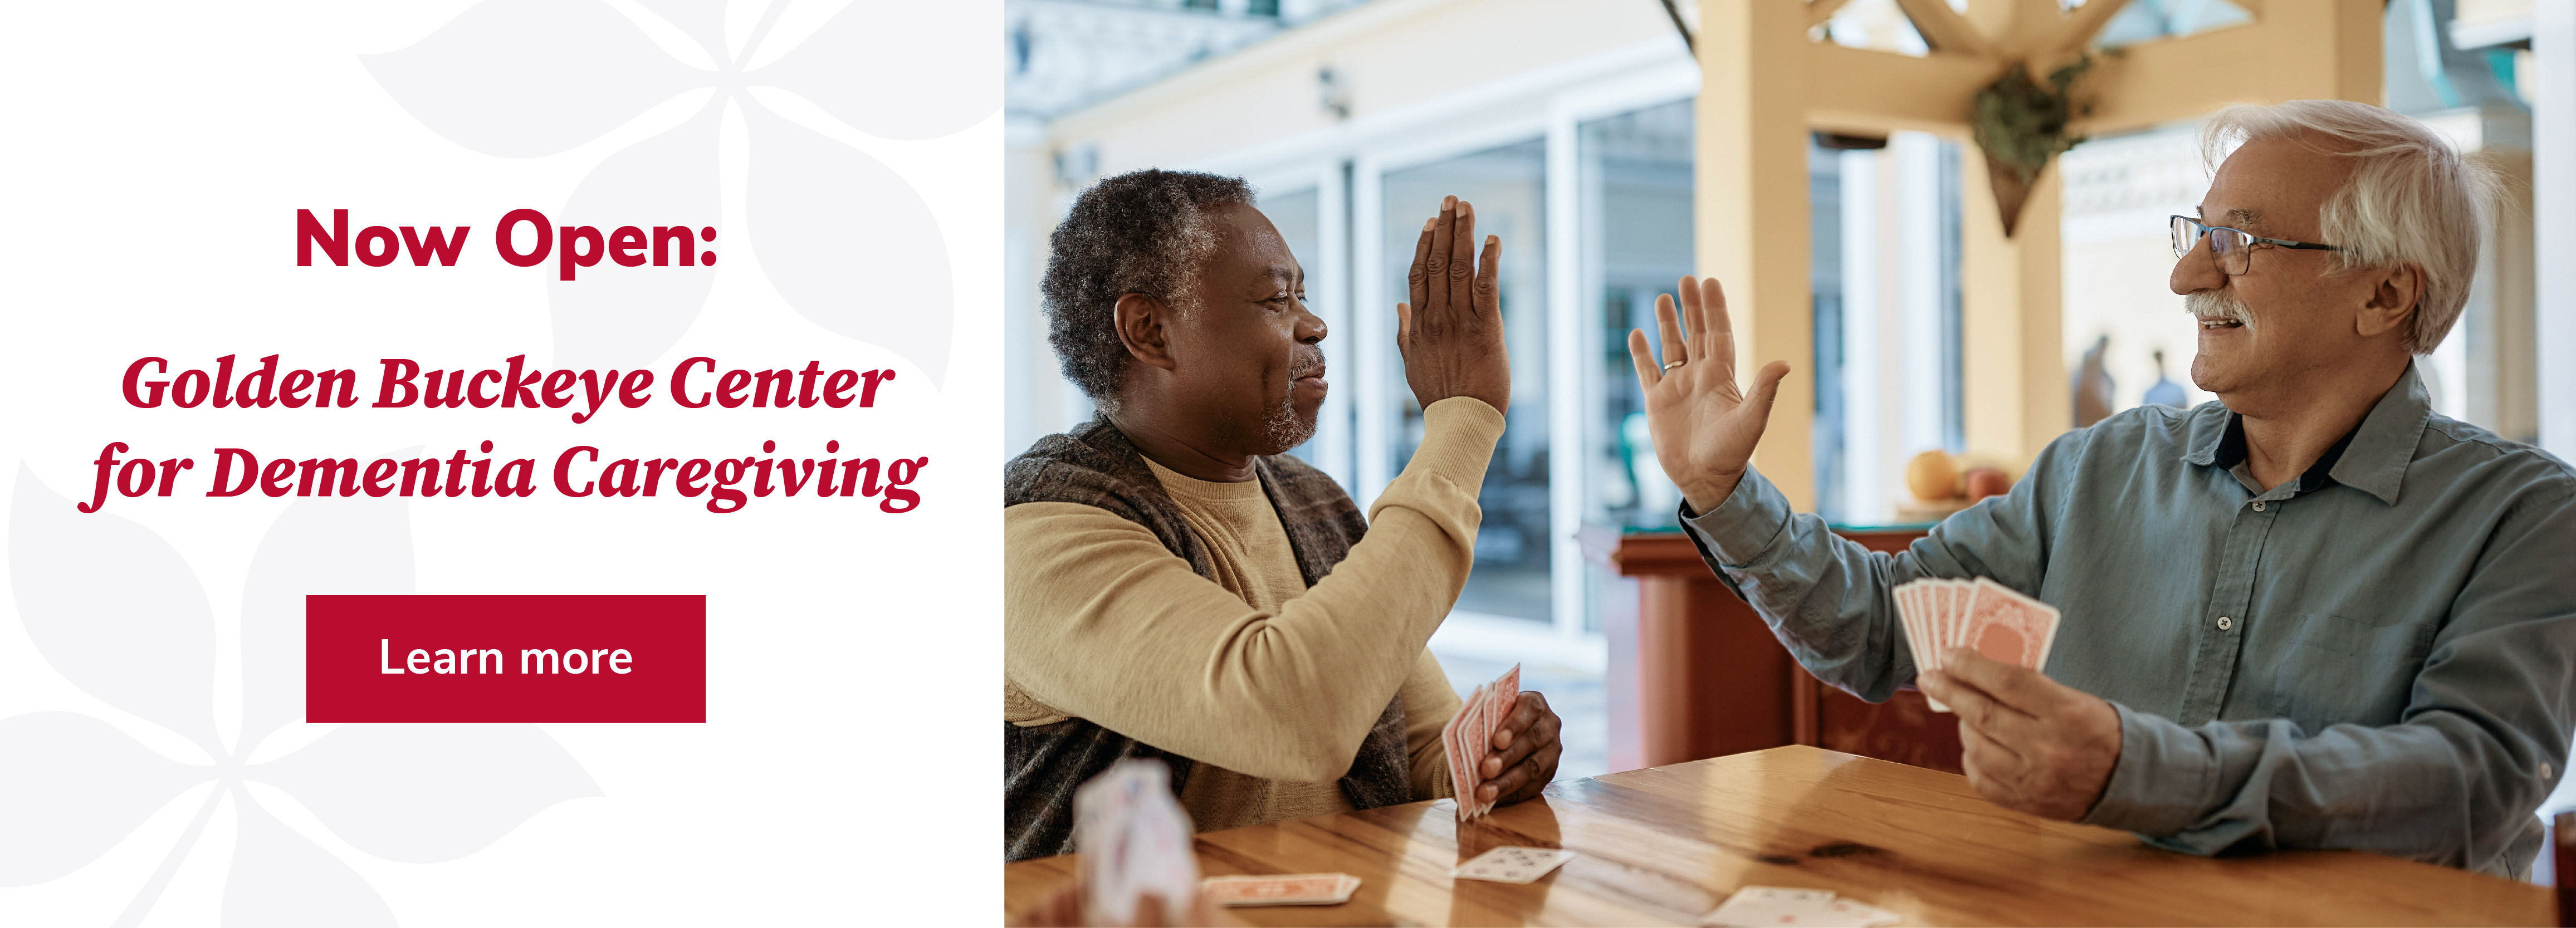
1664,845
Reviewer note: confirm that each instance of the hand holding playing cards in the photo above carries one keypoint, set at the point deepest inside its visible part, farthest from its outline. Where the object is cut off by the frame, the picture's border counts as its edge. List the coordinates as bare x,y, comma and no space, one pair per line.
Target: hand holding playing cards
2031,743
1704,427
1526,751
1501,746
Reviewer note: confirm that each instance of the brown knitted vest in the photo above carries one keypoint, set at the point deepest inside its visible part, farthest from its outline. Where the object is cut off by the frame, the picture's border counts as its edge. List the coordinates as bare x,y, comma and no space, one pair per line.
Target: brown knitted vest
1095,465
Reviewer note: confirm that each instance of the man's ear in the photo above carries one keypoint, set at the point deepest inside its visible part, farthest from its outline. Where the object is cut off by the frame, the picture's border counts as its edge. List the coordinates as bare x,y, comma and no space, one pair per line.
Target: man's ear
2394,293
1143,326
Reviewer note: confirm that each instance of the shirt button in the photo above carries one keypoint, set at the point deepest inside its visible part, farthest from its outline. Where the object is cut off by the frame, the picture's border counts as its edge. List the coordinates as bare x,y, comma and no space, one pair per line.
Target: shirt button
2224,623
2258,505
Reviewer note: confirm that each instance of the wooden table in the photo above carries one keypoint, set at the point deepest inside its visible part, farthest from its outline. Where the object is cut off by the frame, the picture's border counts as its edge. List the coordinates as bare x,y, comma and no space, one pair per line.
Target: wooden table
1665,845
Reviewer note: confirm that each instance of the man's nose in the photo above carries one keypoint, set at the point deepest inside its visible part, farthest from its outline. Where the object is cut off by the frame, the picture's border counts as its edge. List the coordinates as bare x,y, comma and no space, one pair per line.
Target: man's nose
2195,271
1310,327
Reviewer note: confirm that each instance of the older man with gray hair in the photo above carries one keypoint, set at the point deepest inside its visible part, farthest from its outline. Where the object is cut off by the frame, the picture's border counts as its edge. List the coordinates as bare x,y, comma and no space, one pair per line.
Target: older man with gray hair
2313,614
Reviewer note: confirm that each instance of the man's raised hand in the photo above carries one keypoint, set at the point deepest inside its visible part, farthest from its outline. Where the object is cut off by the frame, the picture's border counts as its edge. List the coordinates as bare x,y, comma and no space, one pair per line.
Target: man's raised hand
1703,425
1451,331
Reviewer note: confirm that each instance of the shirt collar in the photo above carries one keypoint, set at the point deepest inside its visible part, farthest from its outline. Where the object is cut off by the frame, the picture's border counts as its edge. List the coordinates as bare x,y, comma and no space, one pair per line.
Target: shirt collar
2372,458
2231,453
2386,441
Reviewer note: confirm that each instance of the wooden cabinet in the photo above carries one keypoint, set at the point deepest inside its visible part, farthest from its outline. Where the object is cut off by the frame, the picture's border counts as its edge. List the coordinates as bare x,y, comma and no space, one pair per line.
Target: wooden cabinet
1694,673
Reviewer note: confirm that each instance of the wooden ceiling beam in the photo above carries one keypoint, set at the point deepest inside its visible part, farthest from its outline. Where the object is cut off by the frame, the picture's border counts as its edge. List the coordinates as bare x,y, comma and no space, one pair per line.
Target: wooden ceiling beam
1867,92
1943,28
2084,23
2172,80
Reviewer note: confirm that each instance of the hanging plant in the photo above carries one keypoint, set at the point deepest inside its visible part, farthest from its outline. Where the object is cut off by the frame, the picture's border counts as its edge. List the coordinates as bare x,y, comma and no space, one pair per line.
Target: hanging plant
2021,124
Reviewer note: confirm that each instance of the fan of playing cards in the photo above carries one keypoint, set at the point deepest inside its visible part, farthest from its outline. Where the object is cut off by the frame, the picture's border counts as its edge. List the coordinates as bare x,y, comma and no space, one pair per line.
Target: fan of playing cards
1134,839
1984,616
1469,738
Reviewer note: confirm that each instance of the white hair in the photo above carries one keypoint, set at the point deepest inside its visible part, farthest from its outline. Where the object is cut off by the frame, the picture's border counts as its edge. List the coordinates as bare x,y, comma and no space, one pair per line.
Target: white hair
2412,199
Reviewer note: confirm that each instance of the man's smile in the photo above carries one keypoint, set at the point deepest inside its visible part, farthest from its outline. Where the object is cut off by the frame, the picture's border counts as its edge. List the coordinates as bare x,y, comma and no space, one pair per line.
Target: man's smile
2217,311
1312,378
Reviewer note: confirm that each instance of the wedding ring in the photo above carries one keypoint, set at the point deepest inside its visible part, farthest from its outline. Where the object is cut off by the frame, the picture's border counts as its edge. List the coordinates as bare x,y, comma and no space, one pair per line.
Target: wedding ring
1669,367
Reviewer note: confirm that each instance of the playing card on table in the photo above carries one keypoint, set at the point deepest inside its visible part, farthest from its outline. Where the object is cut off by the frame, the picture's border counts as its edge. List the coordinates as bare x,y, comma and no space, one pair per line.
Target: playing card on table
1807,908
1743,911
1289,889
1844,913
1134,839
1513,864
1783,894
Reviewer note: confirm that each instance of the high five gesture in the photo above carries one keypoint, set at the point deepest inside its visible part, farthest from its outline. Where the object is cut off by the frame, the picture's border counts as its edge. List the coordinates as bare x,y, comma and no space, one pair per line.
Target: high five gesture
1703,425
1451,331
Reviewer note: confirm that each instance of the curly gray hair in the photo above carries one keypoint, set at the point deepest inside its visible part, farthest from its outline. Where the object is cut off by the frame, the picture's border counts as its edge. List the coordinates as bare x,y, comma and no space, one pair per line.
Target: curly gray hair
1142,232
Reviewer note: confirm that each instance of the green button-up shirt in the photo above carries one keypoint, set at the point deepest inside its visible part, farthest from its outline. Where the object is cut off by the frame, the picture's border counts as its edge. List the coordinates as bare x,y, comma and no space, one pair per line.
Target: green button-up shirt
2378,656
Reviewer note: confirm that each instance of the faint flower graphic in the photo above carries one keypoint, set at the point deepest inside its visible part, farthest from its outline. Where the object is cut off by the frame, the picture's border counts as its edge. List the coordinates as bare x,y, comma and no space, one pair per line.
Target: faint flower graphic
843,239
113,608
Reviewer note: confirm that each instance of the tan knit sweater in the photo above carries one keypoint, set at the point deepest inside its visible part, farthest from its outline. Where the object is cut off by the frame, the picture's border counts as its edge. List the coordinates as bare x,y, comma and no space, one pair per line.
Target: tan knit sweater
1269,685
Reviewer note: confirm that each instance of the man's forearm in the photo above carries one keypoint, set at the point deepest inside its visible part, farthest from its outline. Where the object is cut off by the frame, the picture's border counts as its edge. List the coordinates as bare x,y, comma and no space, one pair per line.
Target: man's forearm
1826,597
2439,789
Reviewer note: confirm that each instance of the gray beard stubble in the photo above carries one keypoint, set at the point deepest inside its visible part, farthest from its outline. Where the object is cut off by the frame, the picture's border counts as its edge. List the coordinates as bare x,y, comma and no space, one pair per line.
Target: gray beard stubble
1281,425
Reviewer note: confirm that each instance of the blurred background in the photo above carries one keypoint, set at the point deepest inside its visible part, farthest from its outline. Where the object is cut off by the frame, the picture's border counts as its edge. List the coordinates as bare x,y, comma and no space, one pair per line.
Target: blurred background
1576,128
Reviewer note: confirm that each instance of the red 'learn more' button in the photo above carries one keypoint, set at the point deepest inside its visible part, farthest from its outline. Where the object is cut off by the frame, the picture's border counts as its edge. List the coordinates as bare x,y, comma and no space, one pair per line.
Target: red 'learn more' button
505,658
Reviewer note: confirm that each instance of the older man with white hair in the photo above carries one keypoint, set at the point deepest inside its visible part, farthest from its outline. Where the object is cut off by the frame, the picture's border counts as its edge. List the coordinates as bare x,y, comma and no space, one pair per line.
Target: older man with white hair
2313,614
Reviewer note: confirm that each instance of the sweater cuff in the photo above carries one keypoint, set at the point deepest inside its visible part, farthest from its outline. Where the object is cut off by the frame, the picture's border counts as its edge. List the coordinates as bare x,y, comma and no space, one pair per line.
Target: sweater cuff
1458,436
1744,527
2160,784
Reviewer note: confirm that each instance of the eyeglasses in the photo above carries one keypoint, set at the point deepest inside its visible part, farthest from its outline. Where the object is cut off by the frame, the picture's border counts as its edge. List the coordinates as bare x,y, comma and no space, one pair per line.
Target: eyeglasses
2231,249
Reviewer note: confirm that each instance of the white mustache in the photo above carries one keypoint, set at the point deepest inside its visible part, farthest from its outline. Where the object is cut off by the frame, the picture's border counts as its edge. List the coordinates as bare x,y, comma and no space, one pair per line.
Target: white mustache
2217,307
